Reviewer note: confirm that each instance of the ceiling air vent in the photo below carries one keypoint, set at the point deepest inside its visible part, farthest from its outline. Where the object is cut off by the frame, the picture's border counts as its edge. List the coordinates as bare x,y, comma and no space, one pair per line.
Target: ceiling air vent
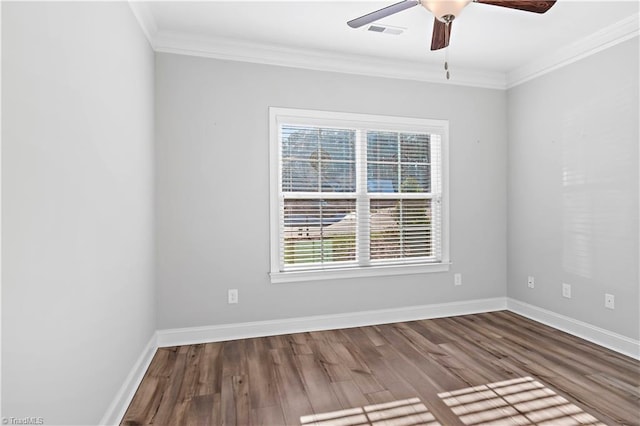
377,28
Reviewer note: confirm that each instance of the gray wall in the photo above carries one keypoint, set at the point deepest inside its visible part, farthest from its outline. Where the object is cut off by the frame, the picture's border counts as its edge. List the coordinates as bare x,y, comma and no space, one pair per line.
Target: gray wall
78,301
573,189
212,194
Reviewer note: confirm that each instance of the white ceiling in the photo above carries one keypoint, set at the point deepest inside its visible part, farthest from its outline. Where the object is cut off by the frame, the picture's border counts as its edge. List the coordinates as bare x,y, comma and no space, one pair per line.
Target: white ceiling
488,43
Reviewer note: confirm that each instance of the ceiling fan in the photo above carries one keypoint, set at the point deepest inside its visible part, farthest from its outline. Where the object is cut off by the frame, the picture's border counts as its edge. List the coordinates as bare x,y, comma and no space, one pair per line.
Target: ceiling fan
445,11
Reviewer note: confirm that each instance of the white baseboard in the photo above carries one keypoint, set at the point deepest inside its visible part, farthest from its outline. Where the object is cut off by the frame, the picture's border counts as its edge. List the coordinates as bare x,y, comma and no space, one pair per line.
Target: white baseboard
120,403
217,333
597,335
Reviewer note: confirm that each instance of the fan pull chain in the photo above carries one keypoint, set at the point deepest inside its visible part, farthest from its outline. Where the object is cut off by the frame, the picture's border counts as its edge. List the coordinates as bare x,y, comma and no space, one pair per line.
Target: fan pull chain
446,62
446,49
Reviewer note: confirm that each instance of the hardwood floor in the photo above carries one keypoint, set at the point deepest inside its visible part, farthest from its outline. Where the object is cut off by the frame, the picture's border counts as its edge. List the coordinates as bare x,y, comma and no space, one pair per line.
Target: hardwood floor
492,368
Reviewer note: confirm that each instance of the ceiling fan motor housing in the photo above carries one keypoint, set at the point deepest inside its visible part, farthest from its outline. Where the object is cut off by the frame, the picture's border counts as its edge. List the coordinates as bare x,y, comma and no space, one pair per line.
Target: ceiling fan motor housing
445,10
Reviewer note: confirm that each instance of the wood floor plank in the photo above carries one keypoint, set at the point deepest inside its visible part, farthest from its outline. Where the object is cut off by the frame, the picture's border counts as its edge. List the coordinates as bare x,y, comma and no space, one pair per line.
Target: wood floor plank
298,343
447,366
316,384
431,331
163,362
453,358
234,355
198,410
359,367
362,374
349,394
380,397
210,368
216,409
267,416
345,357
440,378
227,402
193,371
374,336
277,342
293,398
261,374
330,361
426,390
170,405
242,406
367,350
624,389
146,402
464,365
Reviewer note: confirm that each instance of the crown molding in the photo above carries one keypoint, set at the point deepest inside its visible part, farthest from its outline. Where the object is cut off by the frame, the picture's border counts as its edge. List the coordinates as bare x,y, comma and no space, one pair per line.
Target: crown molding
145,19
605,38
234,50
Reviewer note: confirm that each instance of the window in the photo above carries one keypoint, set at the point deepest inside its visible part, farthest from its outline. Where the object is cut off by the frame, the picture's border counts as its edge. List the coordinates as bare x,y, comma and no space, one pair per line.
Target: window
356,195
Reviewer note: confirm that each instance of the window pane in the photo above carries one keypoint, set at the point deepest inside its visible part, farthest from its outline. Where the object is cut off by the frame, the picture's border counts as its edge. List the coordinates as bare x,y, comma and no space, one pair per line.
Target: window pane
383,162
415,178
415,217
382,146
338,144
319,231
298,142
318,159
382,177
400,229
337,176
414,147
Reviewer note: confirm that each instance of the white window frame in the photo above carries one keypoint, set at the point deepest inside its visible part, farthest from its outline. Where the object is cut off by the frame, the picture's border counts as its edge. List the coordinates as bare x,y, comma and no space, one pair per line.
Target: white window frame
279,116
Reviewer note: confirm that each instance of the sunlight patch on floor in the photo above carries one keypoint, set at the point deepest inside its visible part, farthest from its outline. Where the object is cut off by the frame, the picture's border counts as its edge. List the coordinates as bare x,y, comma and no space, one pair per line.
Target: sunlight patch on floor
397,413
522,401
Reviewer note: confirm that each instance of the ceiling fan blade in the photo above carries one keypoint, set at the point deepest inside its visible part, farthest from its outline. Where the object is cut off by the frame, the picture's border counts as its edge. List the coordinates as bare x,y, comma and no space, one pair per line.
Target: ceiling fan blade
526,5
382,13
441,34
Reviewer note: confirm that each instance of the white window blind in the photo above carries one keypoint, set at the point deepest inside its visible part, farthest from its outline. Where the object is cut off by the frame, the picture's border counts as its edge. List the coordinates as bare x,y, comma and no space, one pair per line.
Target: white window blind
354,193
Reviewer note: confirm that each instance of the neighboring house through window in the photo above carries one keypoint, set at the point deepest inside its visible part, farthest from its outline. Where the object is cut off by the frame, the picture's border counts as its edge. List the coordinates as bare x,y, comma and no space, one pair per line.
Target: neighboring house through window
357,195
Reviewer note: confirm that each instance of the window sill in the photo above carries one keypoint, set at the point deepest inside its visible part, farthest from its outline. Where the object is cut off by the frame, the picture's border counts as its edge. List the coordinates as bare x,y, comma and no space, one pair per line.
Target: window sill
357,272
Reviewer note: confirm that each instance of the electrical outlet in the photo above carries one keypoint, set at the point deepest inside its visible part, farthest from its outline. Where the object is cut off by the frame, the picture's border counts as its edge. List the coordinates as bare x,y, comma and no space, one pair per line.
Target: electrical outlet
609,301
457,279
566,290
531,282
232,296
